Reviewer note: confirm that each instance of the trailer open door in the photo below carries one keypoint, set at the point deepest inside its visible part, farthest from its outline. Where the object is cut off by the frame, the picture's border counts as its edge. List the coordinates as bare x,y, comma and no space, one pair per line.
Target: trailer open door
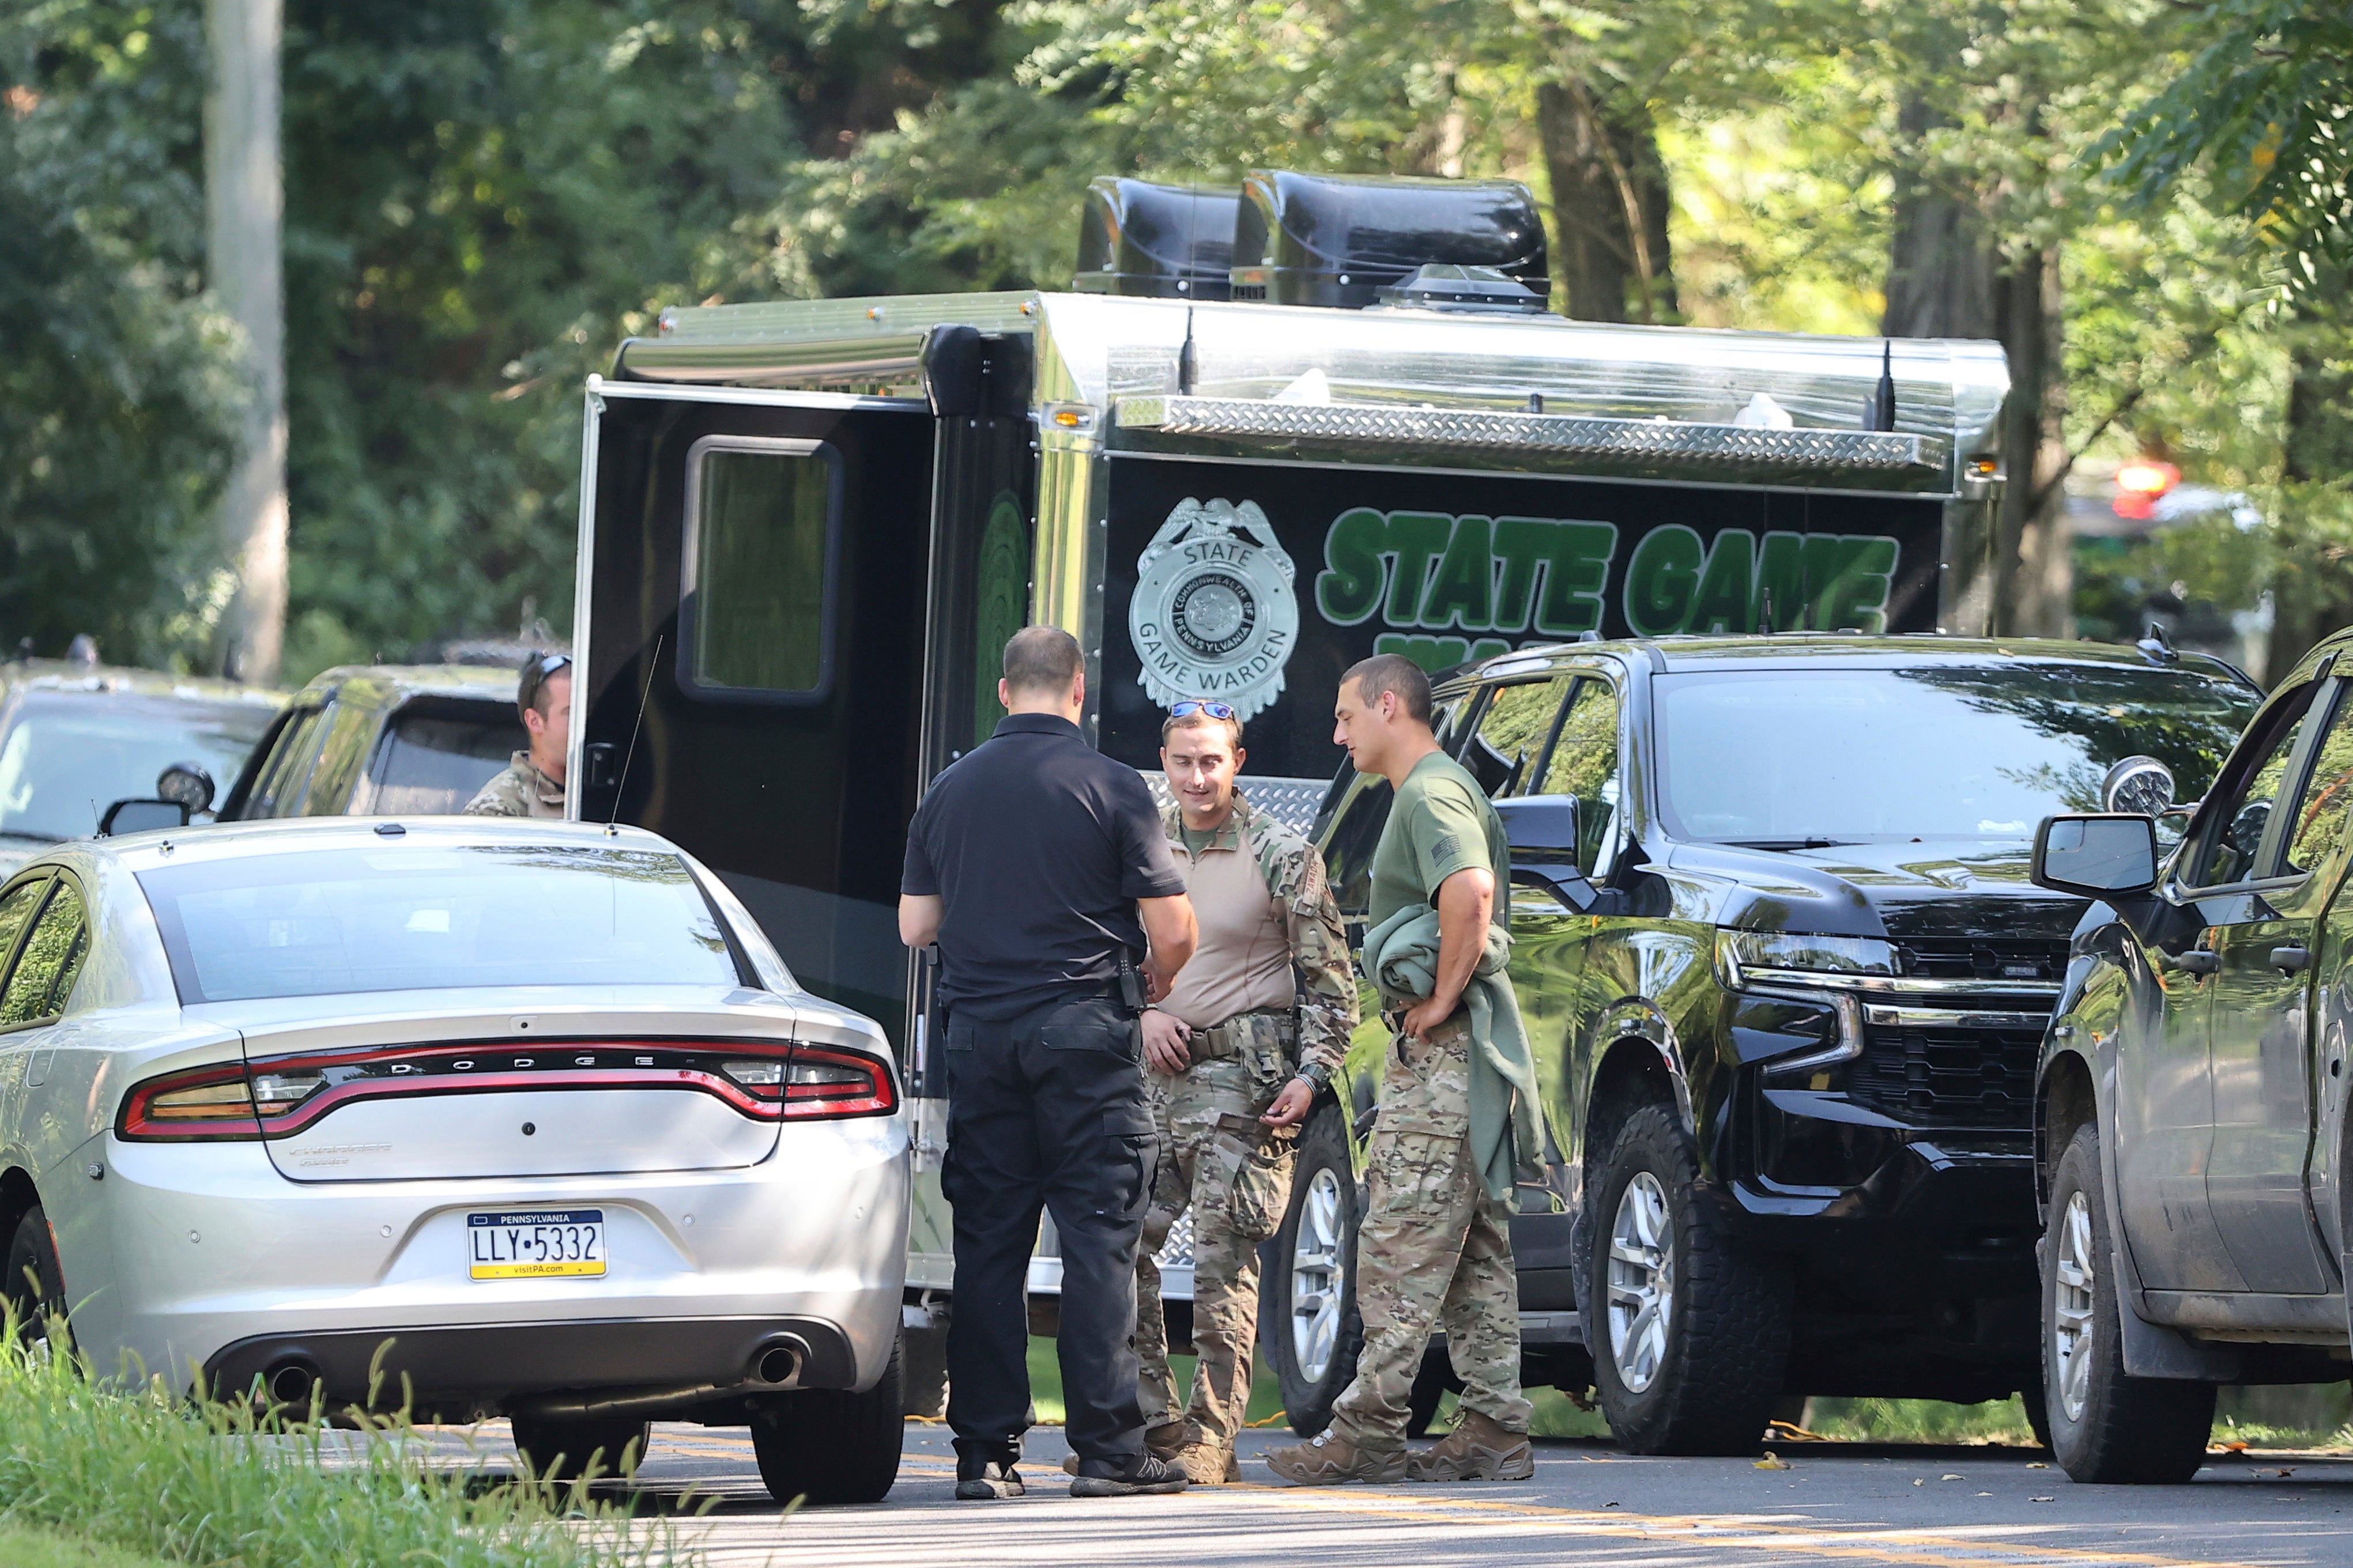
749,628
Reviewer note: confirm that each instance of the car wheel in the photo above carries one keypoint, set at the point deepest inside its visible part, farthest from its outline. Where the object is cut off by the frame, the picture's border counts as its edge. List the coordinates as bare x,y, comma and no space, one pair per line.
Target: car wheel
2105,1427
1693,1329
1307,1303
923,1373
563,1448
35,1287
826,1446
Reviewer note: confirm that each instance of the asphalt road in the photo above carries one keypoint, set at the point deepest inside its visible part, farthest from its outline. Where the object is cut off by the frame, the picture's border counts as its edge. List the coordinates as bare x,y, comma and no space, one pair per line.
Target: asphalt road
1588,1507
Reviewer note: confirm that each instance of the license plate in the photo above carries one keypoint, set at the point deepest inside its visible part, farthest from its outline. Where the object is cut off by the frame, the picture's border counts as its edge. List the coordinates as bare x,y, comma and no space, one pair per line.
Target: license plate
535,1244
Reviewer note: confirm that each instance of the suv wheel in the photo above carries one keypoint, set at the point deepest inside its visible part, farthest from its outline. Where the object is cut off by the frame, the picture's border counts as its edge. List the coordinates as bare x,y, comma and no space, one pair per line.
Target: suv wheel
828,1446
1307,1304
35,1286
2105,1427
1690,1333
563,1448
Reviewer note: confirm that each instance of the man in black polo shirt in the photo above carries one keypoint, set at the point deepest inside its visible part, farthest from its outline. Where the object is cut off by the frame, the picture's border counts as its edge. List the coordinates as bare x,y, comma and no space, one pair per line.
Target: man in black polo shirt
1040,866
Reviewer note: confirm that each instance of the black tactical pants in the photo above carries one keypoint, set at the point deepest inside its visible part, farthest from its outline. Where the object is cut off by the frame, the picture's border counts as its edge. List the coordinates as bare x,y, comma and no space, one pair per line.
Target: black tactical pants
1046,1110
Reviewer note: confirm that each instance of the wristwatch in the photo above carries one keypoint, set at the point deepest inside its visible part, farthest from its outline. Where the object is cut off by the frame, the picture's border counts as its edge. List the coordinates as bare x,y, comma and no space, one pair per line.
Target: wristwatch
1316,1076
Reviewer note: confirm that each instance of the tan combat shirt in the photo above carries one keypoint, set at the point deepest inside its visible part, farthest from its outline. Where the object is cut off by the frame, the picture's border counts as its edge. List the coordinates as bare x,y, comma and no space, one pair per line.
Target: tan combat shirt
1271,935
519,789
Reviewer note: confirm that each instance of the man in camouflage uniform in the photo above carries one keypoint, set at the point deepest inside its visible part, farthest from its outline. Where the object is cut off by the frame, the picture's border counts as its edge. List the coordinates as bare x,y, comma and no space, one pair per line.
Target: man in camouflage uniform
1255,1024
1435,1246
532,784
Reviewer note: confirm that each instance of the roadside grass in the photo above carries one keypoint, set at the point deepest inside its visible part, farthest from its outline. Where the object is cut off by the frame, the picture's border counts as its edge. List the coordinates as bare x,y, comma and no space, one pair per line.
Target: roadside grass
23,1547
1919,1421
140,1470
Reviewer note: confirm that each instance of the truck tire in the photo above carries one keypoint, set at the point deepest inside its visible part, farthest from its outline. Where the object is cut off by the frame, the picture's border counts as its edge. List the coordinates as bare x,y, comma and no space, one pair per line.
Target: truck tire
828,1446
1431,1383
2105,1428
1690,1331
1307,1298
35,1286
562,1451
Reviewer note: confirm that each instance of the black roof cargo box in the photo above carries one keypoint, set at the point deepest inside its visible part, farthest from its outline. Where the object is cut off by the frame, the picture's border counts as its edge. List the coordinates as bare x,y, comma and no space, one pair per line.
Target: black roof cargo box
1169,242
1338,239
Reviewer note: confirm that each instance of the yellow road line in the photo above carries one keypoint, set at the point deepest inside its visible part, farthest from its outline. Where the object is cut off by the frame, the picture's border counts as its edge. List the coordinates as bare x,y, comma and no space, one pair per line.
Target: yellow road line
1924,1550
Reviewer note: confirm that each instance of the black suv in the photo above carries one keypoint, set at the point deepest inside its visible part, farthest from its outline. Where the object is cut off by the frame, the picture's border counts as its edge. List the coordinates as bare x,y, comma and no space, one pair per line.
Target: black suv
1786,981
2192,1134
417,740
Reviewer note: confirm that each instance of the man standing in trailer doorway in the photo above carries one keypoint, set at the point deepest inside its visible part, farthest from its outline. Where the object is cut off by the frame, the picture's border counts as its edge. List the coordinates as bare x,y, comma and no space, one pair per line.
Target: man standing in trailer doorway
1457,1117
1039,867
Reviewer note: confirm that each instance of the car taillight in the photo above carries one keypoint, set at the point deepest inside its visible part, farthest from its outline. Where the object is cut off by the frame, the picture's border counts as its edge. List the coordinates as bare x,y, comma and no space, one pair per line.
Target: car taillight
811,1083
207,1104
278,1097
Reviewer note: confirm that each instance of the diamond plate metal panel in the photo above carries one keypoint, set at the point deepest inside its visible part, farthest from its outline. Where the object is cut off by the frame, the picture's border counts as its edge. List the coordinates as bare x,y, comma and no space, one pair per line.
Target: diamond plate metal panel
1664,442
1292,801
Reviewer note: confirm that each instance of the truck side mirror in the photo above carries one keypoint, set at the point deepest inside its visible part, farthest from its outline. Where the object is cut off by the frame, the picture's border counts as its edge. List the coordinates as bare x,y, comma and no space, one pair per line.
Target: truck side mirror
2103,856
137,815
1541,827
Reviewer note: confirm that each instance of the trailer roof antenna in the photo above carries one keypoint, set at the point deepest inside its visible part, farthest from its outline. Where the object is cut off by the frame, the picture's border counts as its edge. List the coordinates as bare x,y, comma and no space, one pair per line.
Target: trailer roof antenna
632,754
1187,367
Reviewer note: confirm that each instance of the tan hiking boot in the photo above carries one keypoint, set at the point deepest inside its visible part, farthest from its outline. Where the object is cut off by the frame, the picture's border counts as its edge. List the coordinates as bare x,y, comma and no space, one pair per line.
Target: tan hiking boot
1478,1450
1331,1460
1165,1442
1208,1464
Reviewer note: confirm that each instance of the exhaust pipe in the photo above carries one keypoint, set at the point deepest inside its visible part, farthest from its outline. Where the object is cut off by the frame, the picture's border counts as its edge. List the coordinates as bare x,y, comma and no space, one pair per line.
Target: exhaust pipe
777,1360
290,1383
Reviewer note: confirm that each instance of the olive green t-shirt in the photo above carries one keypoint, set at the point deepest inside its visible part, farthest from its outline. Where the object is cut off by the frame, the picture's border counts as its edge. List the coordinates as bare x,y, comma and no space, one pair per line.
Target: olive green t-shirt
1441,823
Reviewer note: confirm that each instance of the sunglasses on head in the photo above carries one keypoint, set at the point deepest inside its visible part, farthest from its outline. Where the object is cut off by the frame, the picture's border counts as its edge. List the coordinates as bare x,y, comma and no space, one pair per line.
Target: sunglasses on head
536,673
1214,709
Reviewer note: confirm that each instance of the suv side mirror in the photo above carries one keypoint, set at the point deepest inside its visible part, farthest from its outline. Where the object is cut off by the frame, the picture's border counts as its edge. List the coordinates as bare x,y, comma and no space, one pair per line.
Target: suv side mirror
1540,827
2102,857
135,816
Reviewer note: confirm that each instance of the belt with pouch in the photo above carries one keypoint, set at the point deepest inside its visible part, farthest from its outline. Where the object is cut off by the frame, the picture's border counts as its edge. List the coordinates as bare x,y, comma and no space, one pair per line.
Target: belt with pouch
1223,1042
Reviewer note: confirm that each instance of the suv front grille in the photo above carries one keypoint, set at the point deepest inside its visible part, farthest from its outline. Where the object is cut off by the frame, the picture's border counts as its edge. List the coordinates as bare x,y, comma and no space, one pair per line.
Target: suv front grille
1973,958
1948,1077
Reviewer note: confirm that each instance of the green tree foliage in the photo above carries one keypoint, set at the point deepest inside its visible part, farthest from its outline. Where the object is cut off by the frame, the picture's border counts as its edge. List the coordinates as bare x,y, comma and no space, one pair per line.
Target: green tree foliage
114,379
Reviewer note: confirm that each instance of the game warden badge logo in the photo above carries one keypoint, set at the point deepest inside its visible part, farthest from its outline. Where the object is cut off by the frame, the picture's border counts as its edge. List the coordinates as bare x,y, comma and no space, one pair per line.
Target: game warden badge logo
1214,614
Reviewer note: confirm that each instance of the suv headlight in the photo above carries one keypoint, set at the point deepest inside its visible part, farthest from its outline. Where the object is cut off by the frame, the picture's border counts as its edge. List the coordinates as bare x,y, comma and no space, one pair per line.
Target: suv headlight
1739,954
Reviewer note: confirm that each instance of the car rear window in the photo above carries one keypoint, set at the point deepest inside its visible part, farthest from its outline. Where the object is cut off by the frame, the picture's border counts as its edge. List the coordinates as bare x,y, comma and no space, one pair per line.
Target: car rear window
433,762
332,922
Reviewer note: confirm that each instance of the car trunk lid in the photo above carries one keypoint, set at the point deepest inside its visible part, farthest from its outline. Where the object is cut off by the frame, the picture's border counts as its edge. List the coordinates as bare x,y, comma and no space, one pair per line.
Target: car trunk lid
465,1092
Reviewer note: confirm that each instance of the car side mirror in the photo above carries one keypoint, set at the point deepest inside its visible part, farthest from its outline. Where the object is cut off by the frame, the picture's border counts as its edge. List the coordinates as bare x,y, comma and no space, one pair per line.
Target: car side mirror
186,782
2103,856
2139,785
1540,828
135,816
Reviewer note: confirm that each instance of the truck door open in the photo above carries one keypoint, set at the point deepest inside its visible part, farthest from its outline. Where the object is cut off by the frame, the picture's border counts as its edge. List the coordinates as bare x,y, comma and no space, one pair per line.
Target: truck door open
751,633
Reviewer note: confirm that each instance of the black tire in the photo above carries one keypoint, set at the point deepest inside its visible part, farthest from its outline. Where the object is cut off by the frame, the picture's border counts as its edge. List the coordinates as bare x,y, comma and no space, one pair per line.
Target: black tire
35,1286
923,1373
2124,1430
561,1448
2037,1412
1431,1382
826,1446
1313,1351
1712,1372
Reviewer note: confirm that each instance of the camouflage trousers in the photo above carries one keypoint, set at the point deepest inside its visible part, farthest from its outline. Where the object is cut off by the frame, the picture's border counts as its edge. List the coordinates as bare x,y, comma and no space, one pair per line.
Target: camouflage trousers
1234,1172
1434,1250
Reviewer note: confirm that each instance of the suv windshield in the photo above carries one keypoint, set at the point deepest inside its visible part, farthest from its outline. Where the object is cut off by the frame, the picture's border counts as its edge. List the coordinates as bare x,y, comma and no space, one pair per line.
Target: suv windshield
70,755
321,923
1795,758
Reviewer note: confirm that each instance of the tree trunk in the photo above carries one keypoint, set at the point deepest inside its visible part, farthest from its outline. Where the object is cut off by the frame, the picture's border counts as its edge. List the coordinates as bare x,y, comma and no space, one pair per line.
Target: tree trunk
1945,280
2313,590
2034,577
244,210
1610,205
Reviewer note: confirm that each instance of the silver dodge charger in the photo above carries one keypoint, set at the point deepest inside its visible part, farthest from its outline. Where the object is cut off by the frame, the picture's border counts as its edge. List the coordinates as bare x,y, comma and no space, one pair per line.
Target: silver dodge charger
466,1115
